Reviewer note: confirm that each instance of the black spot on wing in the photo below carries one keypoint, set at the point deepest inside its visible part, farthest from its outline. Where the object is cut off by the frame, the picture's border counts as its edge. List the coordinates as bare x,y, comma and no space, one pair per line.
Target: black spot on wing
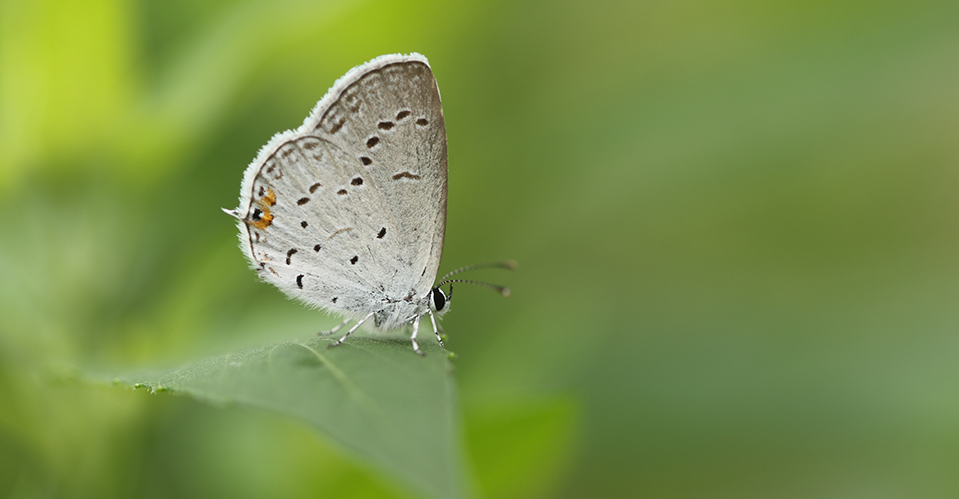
336,126
408,175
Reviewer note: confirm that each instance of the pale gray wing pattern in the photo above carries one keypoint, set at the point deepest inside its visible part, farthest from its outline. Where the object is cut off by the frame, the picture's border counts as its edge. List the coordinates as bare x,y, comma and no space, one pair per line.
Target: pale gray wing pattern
390,117
318,227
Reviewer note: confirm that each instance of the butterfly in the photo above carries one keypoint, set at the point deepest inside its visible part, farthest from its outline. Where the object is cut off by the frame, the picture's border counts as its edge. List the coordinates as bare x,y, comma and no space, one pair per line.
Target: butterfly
347,213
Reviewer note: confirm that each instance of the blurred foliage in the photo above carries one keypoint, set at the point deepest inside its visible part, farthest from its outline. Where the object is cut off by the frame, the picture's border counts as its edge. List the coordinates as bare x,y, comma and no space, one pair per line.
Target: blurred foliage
737,223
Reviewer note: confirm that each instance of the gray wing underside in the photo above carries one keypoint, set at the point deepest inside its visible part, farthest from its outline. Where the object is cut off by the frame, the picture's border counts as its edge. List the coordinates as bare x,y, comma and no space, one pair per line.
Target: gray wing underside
356,198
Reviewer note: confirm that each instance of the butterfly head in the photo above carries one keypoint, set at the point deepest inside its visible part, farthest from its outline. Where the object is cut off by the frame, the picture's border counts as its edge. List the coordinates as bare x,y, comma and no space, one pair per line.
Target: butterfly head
439,303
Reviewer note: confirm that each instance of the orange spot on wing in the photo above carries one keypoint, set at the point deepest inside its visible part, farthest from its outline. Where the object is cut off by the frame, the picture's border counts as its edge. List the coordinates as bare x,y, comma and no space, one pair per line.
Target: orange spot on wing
269,199
265,219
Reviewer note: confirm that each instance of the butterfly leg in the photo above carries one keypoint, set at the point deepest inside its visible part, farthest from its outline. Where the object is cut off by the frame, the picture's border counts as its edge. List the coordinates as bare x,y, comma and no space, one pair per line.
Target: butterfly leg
337,328
416,328
354,328
436,330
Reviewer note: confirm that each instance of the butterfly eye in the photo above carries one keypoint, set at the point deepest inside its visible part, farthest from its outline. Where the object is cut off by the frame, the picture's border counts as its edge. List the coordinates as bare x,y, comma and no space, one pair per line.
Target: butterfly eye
439,299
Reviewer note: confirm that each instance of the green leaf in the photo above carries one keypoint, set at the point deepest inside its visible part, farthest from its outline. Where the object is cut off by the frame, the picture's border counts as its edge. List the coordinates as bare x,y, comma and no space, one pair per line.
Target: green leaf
373,396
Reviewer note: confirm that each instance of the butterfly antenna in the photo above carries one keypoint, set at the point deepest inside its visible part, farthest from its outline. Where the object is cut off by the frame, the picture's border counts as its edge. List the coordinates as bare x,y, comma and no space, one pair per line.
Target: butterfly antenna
505,264
503,290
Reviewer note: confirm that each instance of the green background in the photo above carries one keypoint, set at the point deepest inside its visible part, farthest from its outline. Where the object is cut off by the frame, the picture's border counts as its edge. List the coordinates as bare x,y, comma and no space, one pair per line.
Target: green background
737,225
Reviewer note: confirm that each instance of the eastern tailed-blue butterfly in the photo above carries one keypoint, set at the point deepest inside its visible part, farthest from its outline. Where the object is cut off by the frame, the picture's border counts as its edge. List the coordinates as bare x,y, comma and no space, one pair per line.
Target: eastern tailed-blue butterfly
348,212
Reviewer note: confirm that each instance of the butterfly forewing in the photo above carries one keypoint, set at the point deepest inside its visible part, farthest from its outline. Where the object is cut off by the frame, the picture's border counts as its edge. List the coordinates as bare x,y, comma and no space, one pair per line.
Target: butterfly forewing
348,212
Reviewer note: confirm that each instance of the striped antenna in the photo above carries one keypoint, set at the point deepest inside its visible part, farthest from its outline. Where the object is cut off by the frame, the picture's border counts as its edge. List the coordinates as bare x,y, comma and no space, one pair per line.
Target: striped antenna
503,290
505,264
